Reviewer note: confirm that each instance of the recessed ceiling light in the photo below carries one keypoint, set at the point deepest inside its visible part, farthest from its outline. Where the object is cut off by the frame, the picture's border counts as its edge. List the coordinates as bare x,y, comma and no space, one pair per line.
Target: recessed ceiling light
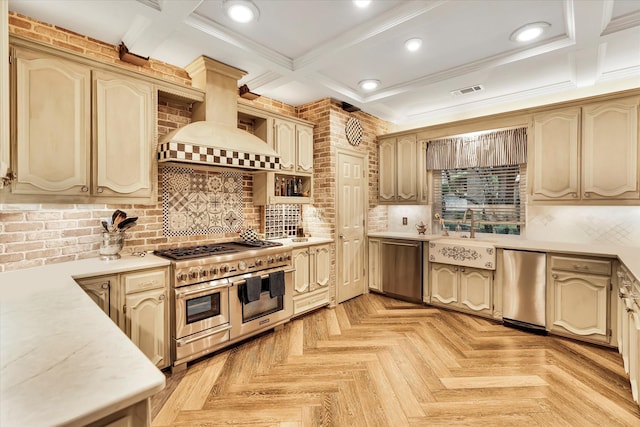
241,10
362,3
369,84
529,32
413,44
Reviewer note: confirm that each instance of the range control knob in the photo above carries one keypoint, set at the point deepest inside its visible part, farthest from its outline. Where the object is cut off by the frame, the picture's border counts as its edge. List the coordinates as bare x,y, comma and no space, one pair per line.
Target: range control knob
204,272
224,269
242,265
181,277
213,271
258,262
279,258
193,274
270,260
287,257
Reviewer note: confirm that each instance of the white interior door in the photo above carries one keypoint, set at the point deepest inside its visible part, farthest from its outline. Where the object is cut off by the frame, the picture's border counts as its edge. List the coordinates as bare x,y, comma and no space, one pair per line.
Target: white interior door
351,211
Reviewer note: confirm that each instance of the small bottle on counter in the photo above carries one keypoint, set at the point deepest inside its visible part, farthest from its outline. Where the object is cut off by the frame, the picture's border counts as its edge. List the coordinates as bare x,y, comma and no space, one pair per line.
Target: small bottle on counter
277,187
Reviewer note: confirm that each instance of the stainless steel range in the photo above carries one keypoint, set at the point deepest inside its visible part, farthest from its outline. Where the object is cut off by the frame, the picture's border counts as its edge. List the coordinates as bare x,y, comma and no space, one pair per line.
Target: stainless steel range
226,292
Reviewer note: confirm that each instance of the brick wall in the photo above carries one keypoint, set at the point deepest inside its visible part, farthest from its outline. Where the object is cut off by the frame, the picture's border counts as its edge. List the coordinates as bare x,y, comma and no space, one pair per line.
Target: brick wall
59,37
329,135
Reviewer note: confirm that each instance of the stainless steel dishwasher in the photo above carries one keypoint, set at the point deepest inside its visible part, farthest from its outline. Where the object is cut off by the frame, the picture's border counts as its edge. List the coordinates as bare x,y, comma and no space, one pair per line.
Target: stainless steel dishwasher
524,290
402,269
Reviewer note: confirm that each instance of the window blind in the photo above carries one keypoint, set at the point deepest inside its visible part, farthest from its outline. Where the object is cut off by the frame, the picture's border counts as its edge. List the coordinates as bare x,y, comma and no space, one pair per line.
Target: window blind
494,193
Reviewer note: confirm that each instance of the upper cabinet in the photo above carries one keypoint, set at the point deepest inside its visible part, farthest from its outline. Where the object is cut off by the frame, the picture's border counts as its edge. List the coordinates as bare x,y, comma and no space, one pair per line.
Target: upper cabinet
293,141
52,125
124,126
587,153
294,144
4,92
80,133
402,172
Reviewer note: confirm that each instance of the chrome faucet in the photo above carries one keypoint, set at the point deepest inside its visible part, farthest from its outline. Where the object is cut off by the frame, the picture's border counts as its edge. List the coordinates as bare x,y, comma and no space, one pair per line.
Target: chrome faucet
472,232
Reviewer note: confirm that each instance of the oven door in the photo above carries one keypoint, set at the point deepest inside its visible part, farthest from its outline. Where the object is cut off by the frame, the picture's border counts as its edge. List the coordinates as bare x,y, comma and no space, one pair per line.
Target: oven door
248,318
201,306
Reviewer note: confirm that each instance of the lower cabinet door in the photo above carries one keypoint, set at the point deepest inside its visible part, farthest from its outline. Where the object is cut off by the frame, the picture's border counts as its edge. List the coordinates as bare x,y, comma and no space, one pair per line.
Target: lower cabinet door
444,284
634,353
578,305
475,289
145,314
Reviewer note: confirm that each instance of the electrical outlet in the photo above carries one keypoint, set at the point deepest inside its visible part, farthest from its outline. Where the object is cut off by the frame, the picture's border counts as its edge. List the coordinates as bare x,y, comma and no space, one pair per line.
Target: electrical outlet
404,220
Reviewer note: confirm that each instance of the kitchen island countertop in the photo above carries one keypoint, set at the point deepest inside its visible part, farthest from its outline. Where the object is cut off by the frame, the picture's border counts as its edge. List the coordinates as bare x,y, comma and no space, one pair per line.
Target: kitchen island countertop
63,361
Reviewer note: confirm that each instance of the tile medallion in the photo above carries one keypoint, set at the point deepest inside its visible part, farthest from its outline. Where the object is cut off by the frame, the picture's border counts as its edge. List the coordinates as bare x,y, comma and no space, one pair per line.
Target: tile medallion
200,202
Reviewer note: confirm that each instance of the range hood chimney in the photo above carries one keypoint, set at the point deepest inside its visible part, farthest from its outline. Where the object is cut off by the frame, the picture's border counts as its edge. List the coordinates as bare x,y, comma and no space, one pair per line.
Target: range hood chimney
213,138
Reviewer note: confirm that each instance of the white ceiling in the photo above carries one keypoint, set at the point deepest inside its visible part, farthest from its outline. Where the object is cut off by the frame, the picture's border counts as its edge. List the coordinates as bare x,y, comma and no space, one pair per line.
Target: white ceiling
303,50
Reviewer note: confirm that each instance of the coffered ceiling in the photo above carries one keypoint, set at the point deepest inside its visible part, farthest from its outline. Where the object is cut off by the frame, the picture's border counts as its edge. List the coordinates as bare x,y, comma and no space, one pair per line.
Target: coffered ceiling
302,50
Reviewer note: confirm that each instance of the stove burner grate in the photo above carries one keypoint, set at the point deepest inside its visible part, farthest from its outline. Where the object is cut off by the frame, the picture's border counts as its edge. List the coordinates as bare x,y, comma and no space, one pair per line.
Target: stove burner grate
198,251
258,243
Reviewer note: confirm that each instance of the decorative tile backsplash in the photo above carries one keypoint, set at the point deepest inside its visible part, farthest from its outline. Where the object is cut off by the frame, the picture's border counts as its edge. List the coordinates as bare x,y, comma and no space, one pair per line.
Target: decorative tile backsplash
281,220
198,202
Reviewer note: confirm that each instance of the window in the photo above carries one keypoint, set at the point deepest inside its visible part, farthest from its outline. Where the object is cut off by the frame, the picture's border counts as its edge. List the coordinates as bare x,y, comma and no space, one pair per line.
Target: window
494,193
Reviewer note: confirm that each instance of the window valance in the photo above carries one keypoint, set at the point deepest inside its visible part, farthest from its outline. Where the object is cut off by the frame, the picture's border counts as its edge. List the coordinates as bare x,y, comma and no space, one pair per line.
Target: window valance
496,148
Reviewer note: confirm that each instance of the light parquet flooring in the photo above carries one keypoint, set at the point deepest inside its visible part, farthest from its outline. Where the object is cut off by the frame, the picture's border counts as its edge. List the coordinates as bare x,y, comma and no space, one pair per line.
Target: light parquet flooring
376,361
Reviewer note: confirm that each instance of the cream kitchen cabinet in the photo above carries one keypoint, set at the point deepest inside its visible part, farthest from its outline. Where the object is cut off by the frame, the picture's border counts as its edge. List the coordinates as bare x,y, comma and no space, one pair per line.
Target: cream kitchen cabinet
4,94
402,175
587,153
146,313
90,139
628,327
138,303
99,290
375,260
124,133
311,278
52,132
578,297
462,288
294,143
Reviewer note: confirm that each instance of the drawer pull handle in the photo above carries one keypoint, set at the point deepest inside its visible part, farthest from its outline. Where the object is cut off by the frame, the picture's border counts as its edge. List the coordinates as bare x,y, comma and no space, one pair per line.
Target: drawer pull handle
578,267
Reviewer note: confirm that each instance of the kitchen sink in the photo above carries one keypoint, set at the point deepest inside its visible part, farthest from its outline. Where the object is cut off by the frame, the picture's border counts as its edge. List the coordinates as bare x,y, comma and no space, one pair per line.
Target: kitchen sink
478,253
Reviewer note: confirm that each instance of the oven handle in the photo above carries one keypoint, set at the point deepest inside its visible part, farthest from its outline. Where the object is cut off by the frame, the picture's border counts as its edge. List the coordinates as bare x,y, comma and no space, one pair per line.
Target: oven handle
185,341
262,276
201,290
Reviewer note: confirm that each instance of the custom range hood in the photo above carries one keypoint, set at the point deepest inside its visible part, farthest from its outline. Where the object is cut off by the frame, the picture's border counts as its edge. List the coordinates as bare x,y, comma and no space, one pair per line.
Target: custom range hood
213,137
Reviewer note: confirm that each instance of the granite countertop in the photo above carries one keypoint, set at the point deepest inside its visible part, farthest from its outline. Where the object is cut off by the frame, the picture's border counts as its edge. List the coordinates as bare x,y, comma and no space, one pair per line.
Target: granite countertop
628,255
63,360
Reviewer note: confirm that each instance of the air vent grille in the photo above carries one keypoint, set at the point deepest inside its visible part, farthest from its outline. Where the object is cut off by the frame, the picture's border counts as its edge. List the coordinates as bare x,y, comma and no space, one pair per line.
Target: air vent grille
467,90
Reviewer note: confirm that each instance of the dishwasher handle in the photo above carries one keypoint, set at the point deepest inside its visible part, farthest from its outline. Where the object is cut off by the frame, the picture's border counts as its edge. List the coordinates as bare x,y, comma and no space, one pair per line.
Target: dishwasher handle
410,245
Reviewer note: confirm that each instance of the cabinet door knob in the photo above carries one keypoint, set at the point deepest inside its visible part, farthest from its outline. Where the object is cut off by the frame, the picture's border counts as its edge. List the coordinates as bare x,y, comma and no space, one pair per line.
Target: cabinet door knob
462,269
84,189
105,286
100,189
161,297
554,275
341,236
574,195
587,194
